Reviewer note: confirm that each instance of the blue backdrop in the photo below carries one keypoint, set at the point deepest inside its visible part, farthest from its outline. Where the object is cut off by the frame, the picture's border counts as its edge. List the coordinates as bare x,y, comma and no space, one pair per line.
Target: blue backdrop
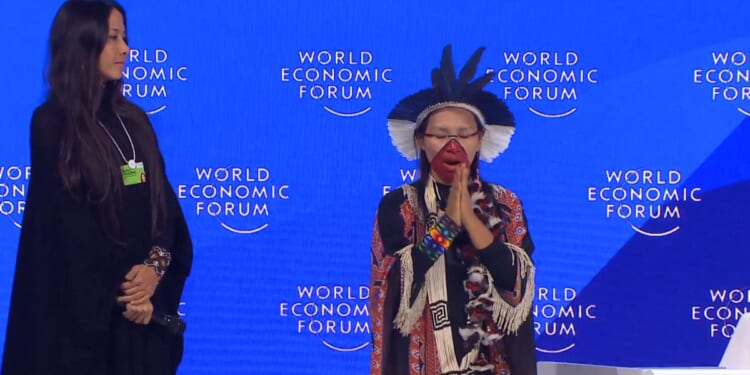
630,157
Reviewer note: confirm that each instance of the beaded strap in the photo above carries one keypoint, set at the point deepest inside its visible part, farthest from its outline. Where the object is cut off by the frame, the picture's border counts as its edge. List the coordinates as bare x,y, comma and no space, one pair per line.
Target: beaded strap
158,258
439,238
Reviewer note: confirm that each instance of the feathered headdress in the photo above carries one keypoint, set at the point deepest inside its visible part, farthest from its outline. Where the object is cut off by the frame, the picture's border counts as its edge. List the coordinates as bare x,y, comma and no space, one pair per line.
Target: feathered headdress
450,91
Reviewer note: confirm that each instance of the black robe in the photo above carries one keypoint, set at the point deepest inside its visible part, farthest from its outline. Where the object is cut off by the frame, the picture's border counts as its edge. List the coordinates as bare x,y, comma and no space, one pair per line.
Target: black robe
63,316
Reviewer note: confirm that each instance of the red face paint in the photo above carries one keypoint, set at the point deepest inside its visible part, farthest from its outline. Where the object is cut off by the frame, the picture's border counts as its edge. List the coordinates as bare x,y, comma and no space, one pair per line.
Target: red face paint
448,160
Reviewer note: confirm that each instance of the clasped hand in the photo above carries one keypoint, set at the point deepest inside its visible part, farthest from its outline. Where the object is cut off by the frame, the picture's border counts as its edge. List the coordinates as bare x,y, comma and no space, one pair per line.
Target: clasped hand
138,288
461,210
459,207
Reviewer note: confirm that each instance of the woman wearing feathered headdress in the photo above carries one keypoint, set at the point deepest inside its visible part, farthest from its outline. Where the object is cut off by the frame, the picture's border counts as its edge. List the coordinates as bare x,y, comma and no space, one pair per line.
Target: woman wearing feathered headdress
452,281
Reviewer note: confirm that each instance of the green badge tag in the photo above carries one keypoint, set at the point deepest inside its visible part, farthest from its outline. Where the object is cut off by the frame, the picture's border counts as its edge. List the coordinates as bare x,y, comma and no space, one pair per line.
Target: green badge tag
133,176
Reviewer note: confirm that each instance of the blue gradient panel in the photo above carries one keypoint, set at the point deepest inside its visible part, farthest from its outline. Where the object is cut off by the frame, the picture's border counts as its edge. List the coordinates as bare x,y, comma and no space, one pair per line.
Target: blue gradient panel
629,156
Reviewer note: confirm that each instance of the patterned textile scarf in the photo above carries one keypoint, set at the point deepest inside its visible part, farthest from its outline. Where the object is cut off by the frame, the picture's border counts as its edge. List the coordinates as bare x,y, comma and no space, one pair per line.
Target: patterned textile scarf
480,331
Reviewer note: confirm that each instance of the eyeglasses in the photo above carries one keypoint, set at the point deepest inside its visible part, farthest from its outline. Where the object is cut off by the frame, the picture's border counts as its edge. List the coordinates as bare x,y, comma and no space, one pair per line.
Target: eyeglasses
444,137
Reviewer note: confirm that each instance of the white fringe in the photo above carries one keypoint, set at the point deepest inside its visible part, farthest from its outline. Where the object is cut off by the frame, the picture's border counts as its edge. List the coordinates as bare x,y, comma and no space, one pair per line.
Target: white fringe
407,315
435,284
434,290
508,317
430,197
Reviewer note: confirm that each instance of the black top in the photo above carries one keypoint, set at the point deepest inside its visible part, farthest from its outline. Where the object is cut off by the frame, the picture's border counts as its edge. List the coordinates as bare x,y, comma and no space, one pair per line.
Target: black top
134,208
63,316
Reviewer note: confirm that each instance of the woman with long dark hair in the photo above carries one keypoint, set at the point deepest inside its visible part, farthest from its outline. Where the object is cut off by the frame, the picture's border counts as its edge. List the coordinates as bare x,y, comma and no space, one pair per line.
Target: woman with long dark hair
104,243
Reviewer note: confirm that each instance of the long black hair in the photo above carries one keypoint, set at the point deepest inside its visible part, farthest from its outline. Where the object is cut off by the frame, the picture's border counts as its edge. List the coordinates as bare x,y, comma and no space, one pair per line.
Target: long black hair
88,169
